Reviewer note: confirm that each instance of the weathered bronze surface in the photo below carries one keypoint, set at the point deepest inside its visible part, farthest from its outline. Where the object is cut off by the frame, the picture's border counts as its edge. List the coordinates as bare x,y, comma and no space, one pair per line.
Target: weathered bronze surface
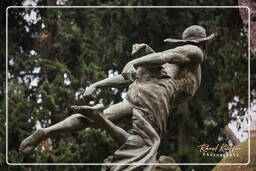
158,82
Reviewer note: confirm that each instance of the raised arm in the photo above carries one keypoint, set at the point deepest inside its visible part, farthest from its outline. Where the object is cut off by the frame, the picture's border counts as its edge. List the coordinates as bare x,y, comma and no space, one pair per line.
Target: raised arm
118,80
187,54
114,81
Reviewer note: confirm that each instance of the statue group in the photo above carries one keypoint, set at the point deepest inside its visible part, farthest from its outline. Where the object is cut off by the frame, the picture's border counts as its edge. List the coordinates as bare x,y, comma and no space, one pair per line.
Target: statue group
158,82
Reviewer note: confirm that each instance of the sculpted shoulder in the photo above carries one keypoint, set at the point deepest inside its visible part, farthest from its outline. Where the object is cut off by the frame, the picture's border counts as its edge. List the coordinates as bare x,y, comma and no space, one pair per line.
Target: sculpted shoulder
194,53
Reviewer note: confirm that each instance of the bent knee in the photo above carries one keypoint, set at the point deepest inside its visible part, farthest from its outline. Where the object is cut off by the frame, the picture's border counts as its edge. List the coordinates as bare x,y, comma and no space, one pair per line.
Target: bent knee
108,112
116,116
77,115
78,118
77,122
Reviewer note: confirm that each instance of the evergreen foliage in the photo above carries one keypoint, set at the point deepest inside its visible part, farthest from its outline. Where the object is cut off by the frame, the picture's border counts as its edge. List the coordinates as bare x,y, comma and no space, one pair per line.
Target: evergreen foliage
53,58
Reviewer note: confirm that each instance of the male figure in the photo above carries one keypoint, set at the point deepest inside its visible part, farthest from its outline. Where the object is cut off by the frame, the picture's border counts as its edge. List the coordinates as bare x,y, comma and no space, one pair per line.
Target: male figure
158,82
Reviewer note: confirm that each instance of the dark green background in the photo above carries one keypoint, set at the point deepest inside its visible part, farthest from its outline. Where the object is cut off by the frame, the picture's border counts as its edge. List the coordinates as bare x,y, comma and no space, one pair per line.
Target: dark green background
87,44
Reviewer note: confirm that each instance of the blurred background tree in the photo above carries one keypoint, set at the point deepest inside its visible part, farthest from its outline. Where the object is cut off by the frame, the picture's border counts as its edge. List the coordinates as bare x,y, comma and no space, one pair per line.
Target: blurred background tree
54,54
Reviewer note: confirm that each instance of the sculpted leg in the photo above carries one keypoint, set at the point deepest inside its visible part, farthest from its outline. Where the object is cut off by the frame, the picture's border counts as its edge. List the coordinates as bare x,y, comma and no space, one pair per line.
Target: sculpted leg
117,113
121,112
102,118
74,122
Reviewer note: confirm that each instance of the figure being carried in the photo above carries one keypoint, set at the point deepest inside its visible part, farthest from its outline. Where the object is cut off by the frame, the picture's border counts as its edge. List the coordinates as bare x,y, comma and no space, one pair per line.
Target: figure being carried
158,82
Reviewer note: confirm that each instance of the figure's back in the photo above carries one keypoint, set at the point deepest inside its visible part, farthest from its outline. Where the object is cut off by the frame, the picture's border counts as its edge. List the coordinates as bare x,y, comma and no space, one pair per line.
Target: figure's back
190,72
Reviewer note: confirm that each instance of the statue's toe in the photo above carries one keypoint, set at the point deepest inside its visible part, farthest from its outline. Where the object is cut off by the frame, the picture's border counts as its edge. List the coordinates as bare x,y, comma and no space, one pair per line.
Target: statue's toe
30,143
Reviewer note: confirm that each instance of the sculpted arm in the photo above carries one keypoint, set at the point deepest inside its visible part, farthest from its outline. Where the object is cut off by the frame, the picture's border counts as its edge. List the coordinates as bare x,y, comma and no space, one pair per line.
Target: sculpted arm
114,81
182,55
187,55
118,80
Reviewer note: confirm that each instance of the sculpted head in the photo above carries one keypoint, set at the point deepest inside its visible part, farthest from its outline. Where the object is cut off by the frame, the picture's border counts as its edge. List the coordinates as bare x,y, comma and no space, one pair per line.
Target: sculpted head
194,34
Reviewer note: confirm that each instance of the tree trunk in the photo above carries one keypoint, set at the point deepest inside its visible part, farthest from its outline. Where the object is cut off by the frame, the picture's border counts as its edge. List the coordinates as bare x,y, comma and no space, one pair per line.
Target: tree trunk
51,2
244,15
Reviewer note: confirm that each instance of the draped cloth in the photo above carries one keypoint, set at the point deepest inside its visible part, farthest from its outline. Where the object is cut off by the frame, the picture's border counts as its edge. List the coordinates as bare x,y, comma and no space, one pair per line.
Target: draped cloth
152,100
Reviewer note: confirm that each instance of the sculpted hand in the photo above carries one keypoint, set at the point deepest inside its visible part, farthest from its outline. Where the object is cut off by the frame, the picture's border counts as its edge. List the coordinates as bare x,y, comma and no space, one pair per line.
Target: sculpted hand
90,92
129,72
137,47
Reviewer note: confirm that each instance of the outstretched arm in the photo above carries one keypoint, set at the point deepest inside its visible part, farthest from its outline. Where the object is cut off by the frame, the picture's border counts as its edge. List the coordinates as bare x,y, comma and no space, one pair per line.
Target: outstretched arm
118,80
188,54
114,81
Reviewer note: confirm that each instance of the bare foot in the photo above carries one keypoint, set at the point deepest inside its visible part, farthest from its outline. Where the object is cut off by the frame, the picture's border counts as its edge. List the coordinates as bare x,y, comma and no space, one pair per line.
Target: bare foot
30,143
92,112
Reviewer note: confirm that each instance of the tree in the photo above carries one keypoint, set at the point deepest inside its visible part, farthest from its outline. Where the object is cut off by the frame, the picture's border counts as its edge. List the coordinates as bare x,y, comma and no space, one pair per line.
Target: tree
51,60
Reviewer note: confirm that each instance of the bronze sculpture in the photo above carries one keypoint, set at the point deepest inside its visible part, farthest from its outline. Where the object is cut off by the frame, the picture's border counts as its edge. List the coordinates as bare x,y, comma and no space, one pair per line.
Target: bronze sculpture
157,83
